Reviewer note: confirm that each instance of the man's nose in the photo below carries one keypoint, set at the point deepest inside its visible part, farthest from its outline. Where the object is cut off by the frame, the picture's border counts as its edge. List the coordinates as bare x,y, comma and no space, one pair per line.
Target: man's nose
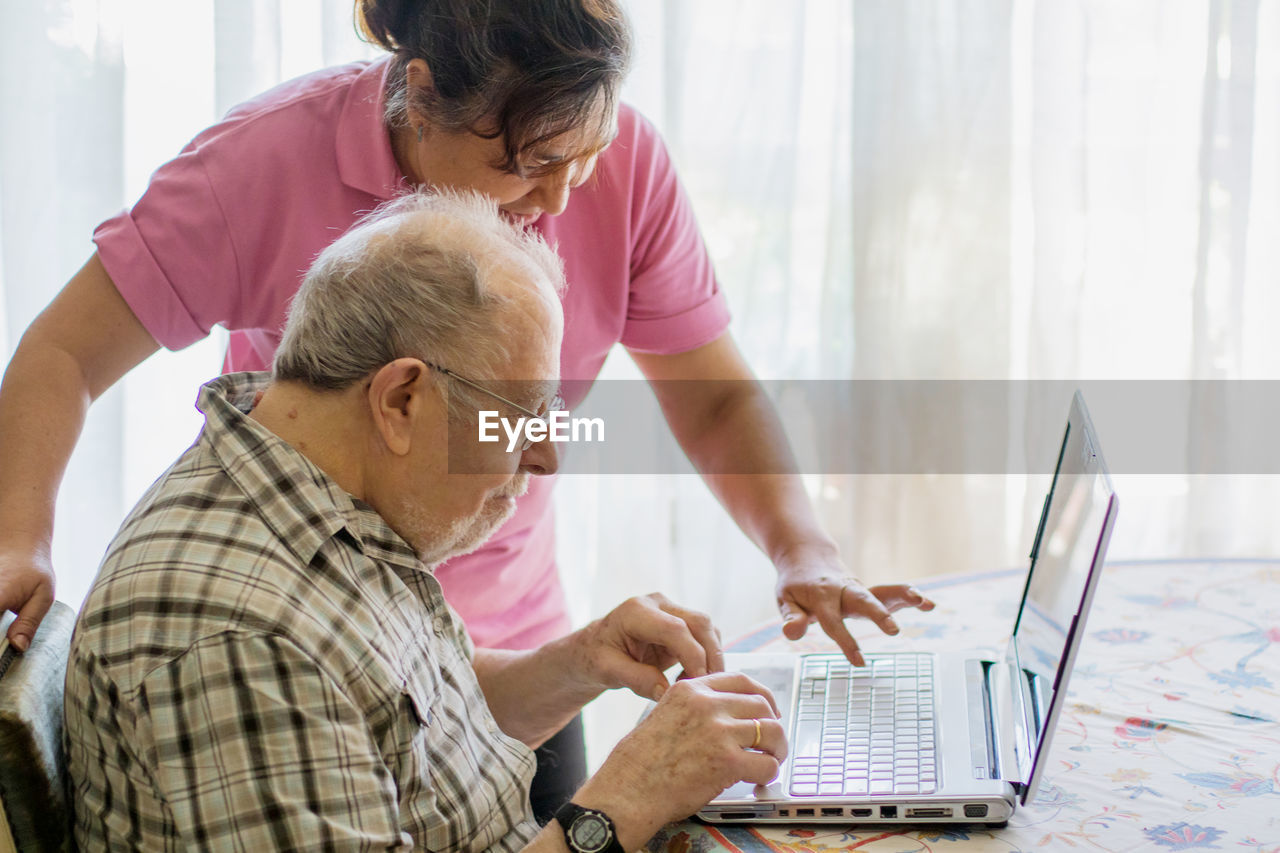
542,458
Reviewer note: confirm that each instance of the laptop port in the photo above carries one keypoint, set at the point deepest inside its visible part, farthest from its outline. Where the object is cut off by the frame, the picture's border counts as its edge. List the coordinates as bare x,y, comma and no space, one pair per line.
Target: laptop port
888,811
859,812
929,812
804,812
784,812
739,815
975,810
835,811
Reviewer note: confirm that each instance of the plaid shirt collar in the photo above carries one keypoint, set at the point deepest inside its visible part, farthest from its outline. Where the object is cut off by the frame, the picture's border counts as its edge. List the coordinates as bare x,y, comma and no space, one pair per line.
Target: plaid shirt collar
301,504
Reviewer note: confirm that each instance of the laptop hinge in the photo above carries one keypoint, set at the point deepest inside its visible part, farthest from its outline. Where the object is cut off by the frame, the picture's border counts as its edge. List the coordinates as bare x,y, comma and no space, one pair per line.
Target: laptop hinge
1013,728
983,754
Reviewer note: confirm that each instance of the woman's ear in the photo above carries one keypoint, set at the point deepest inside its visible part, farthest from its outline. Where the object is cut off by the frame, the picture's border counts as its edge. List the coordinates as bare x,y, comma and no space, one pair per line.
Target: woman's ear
417,78
400,393
418,74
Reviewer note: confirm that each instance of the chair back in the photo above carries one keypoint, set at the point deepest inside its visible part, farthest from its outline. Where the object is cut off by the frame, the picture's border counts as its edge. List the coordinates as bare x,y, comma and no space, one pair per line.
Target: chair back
34,813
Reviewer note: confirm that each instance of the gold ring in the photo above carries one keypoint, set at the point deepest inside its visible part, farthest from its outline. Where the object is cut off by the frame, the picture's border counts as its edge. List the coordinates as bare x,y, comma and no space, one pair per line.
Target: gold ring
756,742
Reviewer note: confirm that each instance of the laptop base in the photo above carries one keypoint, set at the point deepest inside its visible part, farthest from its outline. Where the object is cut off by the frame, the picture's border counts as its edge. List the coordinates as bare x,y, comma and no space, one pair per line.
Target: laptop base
967,811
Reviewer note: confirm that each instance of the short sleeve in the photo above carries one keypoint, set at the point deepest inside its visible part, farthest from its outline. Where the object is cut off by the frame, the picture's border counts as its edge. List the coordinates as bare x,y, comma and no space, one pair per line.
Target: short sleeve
171,256
675,302
256,748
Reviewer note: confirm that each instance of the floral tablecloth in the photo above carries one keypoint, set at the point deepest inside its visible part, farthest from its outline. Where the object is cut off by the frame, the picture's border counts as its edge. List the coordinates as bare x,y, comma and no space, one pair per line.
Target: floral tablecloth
1169,741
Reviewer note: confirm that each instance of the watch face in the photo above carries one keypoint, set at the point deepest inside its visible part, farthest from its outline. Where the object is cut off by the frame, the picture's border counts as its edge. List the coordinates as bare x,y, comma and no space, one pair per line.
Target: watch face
590,832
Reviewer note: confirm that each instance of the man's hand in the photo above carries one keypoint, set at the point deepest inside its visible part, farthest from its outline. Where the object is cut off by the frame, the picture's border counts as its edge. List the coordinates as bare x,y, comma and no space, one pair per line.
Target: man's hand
644,636
821,591
532,694
699,740
26,588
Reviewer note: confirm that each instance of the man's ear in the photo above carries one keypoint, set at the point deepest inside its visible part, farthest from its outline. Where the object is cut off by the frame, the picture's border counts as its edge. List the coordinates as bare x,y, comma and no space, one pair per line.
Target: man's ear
400,393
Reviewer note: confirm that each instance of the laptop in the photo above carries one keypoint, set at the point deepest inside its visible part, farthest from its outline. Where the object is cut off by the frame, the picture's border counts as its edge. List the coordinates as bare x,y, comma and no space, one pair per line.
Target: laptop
946,737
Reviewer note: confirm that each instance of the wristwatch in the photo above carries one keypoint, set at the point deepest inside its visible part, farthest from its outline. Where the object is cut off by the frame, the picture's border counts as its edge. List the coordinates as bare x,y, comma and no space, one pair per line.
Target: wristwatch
587,830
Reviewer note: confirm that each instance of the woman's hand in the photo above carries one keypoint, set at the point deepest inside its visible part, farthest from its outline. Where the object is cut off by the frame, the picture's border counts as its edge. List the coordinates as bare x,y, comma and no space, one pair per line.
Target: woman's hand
820,589
26,588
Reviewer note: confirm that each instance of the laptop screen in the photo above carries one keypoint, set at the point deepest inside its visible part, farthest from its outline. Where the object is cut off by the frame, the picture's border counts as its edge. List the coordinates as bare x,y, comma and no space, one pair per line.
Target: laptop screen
1067,553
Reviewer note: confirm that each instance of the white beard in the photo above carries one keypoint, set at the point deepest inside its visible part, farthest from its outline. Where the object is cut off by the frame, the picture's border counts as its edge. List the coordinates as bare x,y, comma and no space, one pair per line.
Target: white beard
437,541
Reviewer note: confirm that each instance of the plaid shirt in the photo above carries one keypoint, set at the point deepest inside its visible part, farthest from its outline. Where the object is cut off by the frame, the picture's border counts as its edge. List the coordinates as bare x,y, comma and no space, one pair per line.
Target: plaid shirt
263,664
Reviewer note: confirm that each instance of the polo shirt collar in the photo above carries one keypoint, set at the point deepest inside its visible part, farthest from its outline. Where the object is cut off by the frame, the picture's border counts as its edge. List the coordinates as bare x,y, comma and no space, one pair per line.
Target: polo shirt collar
365,159
302,505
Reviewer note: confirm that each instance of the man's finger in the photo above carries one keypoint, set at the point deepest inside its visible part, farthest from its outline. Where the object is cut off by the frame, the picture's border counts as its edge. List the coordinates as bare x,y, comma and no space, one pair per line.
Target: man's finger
644,680
703,631
760,768
772,737
672,634
737,682
747,706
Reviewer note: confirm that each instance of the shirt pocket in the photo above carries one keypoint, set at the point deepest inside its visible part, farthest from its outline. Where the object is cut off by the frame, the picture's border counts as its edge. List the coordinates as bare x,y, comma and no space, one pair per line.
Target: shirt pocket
464,785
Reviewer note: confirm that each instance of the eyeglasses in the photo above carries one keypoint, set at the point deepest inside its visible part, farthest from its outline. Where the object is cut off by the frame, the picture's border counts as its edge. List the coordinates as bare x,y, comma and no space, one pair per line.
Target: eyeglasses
557,402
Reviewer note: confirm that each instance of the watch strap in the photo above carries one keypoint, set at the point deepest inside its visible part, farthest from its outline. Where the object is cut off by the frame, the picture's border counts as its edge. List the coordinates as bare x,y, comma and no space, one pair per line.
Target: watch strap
588,830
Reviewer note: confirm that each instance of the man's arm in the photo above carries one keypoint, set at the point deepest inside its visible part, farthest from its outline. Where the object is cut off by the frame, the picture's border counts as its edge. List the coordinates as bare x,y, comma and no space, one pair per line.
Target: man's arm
77,348
258,749
533,694
725,422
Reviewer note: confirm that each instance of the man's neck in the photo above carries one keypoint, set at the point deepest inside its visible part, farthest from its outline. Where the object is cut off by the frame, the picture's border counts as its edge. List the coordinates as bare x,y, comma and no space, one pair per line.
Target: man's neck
321,425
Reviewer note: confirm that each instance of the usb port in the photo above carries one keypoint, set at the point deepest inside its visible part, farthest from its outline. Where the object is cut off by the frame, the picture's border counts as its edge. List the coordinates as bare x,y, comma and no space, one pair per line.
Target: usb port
975,810
804,812
833,812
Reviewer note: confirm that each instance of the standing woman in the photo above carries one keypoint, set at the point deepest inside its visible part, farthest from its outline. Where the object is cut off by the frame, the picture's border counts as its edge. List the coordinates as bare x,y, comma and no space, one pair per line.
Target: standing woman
517,99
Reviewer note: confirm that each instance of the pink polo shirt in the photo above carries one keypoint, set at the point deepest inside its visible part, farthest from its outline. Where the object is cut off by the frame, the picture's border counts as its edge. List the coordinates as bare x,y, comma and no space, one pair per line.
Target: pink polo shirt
227,229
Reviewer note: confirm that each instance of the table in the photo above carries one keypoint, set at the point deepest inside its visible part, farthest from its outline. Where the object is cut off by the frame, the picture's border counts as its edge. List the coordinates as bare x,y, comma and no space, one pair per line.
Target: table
1169,740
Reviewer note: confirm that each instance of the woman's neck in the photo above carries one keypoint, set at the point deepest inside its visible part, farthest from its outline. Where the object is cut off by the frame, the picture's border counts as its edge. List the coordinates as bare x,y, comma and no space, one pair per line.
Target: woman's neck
405,152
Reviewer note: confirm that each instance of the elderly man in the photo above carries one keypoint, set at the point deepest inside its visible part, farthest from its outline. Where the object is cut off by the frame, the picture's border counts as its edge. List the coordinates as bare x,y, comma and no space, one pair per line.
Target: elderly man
265,661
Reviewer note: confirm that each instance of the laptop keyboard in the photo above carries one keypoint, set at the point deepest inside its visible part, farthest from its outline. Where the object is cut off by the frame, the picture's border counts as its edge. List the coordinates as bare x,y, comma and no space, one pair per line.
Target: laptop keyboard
865,730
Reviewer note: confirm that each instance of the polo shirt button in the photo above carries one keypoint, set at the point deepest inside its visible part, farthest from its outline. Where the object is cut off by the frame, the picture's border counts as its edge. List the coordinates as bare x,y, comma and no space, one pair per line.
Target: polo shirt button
438,624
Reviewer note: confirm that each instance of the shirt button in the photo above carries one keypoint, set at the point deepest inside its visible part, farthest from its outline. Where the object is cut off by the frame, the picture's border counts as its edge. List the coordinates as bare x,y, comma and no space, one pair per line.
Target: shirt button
438,624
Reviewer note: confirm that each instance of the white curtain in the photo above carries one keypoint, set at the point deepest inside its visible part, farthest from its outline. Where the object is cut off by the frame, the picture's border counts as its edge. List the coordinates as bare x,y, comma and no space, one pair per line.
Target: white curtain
993,189
891,189
932,189
93,97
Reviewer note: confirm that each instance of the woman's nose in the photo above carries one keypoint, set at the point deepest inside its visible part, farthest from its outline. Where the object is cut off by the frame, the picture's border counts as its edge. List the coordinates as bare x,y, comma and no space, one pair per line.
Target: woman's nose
553,193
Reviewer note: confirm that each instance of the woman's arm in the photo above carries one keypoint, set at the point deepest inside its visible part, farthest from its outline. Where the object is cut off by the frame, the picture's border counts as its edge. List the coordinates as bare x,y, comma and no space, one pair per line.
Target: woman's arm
73,351
726,422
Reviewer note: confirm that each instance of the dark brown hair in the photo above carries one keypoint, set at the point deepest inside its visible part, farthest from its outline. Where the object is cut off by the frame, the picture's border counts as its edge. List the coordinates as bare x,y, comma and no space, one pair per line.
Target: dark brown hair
525,71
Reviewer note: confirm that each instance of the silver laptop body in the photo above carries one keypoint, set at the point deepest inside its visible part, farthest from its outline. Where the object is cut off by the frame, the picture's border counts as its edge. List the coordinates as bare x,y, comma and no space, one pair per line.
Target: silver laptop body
968,737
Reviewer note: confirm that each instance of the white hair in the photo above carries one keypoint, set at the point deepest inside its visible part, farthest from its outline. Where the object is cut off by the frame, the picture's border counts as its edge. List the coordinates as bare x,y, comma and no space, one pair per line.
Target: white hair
412,279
